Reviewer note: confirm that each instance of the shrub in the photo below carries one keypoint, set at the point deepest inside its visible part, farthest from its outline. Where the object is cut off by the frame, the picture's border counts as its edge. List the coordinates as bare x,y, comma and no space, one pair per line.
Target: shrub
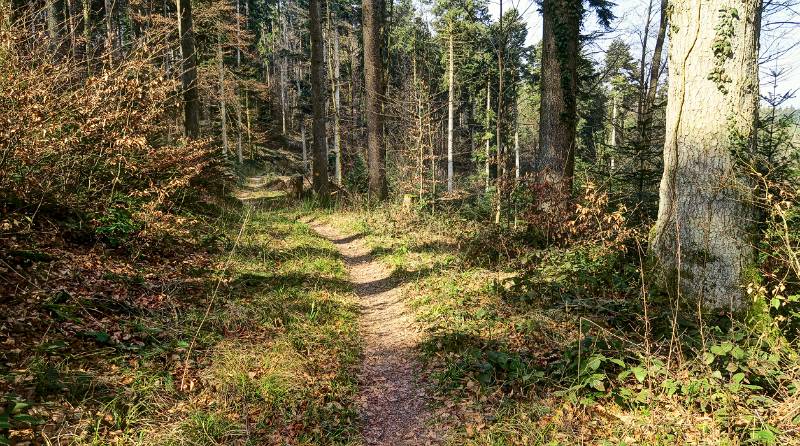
78,135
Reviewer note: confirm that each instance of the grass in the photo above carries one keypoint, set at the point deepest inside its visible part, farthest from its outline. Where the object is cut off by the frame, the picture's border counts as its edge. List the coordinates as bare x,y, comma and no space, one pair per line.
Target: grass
552,347
256,343
267,358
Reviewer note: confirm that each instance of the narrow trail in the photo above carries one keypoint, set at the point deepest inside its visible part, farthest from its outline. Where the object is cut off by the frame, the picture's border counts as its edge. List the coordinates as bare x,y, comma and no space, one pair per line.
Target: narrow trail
392,403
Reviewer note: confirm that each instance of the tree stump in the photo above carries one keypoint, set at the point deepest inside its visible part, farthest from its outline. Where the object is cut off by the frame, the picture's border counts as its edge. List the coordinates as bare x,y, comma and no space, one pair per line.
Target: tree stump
408,201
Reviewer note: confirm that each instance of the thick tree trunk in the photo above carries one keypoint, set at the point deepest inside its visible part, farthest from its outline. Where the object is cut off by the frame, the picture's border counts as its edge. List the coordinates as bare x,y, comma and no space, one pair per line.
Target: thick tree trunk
703,238
555,160
191,98
372,11
501,152
70,13
318,88
450,109
612,139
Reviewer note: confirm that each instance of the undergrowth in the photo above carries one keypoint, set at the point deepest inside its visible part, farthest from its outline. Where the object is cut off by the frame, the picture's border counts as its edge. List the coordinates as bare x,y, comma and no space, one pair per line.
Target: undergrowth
242,338
565,342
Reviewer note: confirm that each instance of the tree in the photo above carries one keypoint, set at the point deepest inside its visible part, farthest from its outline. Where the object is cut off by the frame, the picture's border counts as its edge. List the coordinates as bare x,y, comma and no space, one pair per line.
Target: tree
702,238
555,159
191,98
318,88
372,11
222,104
450,106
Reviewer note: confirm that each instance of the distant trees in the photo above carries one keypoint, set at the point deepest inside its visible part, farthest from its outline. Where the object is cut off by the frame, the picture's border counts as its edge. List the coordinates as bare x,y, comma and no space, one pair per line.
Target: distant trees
703,237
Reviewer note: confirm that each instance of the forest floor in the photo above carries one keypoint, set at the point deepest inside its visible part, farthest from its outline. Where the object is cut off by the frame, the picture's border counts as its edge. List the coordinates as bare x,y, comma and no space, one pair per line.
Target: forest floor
392,402
288,324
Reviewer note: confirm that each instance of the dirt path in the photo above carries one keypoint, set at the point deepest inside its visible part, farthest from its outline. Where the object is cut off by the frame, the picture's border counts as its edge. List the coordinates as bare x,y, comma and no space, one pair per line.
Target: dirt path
392,403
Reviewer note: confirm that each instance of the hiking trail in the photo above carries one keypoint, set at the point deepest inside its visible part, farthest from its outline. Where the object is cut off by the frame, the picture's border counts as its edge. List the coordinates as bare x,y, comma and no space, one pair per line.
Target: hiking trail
392,403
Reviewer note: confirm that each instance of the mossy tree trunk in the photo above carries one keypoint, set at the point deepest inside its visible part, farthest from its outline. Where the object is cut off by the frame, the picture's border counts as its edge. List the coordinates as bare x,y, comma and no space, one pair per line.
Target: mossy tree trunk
702,240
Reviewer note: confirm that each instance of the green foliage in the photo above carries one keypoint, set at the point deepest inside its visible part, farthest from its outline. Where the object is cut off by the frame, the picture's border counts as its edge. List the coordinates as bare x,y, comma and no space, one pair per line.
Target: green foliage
116,225
721,47
356,178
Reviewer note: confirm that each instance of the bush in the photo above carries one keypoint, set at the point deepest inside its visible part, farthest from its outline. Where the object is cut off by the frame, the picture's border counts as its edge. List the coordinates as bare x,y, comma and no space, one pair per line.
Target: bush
77,136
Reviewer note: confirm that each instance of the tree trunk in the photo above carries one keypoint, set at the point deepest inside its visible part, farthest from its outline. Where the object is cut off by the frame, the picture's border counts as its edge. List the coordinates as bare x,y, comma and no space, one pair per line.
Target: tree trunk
109,17
555,160
238,35
318,88
69,13
337,105
239,127
303,145
450,105
488,144
703,237
222,105
516,153
249,126
372,11
612,140
54,24
87,29
655,63
191,98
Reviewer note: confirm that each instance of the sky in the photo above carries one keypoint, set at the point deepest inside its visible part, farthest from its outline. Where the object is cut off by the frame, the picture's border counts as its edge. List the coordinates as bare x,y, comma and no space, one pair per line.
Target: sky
631,14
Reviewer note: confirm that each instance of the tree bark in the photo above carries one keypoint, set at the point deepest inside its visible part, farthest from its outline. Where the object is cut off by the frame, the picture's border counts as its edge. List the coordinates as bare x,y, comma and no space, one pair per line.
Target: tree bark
335,69
655,63
303,145
372,11
318,89
488,165
109,18
191,98
222,102
555,160
702,240
54,20
87,29
450,106
501,153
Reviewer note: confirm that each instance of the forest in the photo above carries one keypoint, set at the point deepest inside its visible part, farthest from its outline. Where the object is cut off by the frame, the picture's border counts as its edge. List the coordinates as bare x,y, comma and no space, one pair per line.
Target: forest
378,223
